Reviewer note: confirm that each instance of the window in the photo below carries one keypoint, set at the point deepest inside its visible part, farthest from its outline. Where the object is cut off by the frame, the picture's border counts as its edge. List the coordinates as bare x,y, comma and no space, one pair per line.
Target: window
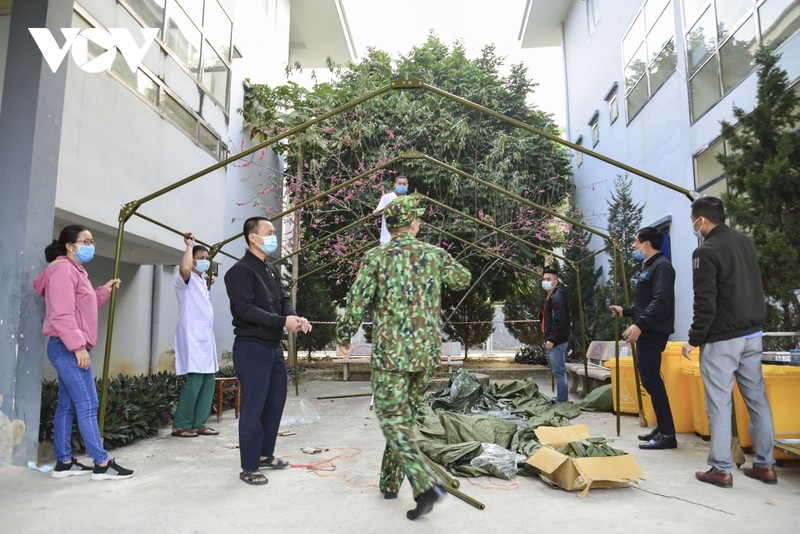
208,140
709,175
611,99
183,38
149,12
648,53
215,74
722,38
594,126
178,114
578,153
779,19
592,14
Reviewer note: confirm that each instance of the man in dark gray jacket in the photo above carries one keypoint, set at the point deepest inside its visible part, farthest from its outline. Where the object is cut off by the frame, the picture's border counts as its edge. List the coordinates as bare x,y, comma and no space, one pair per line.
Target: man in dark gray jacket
554,317
729,312
653,313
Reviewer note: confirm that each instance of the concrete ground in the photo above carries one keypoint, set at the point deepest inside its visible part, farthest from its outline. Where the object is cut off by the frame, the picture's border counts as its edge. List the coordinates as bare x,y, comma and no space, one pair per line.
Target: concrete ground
192,485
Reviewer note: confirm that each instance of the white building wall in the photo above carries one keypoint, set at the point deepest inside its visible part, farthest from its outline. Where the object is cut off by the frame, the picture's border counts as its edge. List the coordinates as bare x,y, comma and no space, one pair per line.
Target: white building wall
660,140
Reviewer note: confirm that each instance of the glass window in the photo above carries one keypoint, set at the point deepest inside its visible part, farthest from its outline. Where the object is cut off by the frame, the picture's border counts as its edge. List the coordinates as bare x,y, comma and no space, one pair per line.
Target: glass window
692,9
595,126
706,166
579,154
181,116
637,98
653,10
633,40
208,140
729,14
193,8
147,87
183,38
636,68
223,151
215,74
700,41
660,34
661,69
779,20
736,55
716,189
218,29
150,12
613,109
704,88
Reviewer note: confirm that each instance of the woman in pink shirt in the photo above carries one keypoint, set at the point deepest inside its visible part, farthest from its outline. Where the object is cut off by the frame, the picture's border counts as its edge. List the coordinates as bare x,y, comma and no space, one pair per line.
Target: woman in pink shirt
71,322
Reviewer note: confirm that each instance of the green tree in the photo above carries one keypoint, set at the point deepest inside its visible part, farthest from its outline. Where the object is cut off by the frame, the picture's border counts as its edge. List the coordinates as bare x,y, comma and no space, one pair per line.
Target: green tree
624,219
315,301
763,173
398,121
468,317
578,252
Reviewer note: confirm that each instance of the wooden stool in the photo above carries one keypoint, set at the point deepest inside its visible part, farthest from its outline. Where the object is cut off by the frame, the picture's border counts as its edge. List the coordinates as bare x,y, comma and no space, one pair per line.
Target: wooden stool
224,385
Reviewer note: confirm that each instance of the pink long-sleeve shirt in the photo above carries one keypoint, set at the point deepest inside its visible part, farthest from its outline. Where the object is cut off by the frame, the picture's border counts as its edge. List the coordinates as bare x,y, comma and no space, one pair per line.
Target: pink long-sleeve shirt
71,303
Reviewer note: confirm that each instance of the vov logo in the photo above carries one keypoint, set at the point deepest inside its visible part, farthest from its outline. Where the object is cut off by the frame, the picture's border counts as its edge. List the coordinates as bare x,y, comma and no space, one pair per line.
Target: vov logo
77,40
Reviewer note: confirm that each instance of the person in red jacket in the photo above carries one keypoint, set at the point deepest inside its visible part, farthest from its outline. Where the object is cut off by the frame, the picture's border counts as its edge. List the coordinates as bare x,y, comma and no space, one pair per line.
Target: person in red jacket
71,322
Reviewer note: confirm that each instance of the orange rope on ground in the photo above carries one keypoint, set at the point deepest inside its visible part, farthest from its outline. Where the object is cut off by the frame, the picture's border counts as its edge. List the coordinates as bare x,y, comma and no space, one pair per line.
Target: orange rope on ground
494,485
321,467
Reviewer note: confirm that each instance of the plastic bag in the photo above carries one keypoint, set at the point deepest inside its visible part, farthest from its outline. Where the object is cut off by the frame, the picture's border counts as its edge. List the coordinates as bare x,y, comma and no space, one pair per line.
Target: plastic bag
303,414
497,461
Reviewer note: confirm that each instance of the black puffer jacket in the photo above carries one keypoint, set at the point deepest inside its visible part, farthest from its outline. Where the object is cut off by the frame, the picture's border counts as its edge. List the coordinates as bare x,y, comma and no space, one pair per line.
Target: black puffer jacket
653,307
728,295
555,314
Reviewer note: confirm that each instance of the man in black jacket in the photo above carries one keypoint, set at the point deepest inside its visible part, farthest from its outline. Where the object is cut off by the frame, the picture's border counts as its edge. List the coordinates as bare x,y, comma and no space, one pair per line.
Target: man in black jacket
261,309
554,320
653,313
729,312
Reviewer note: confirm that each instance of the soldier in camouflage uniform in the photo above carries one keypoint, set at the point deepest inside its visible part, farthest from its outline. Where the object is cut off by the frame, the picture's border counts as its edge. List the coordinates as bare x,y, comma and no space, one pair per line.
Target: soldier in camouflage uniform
400,282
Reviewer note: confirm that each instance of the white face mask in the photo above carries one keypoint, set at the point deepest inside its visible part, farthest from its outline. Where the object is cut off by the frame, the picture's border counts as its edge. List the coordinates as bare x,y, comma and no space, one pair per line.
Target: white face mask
696,233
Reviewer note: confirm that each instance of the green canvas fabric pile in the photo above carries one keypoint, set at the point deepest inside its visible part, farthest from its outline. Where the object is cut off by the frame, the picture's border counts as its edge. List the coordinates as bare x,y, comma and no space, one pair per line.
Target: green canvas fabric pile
459,423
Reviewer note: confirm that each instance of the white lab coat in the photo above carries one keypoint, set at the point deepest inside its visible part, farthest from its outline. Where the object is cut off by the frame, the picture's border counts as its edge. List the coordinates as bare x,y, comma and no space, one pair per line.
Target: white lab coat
195,346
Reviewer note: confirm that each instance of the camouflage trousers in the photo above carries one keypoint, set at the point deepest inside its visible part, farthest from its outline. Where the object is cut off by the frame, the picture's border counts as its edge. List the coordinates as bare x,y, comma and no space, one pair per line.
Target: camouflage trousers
397,399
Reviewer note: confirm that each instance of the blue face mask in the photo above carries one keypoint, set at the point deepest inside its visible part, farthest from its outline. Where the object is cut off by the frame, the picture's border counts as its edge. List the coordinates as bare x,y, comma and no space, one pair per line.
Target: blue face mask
85,253
547,285
401,189
202,265
696,233
270,244
637,255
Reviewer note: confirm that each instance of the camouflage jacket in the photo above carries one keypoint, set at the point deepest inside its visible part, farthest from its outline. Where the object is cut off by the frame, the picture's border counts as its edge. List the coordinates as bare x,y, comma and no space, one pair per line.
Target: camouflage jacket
400,283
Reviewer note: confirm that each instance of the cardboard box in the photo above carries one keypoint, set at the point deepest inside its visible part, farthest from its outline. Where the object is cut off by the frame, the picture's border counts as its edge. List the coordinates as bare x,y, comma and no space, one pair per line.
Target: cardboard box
574,474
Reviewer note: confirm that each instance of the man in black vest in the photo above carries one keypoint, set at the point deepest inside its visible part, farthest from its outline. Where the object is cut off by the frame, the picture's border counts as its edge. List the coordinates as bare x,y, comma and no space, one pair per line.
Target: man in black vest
653,313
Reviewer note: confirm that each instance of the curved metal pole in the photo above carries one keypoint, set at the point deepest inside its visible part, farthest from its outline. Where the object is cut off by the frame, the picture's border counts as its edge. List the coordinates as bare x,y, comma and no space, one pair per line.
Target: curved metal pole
414,83
110,331
616,344
637,378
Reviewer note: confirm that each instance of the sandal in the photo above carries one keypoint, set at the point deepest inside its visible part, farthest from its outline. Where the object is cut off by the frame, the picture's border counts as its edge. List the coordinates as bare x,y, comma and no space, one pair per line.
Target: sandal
272,463
254,478
183,433
206,431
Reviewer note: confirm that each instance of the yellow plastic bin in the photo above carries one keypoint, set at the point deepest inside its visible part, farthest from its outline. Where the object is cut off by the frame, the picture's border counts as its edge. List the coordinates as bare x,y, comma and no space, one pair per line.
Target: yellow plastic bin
628,402
691,369
781,384
678,386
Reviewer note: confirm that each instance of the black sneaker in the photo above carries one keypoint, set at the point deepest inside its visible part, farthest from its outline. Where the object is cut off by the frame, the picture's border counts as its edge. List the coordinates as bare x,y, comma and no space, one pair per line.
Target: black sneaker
112,471
64,470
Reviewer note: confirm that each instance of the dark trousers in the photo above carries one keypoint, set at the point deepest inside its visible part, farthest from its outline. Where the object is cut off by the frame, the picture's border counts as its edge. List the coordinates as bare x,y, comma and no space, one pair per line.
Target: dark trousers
648,351
262,379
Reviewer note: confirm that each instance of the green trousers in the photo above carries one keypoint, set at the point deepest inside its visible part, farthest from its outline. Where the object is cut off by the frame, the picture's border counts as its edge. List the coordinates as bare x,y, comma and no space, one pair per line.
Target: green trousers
397,399
194,404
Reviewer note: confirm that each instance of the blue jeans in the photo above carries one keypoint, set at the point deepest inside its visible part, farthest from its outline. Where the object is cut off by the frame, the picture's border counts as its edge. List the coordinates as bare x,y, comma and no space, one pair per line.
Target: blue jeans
557,356
76,393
